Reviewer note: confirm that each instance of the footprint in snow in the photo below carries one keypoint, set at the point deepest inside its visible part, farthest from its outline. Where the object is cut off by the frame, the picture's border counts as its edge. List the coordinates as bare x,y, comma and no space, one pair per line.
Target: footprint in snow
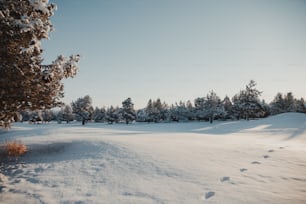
271,150
209,194
243,170
282,147
255,162
2,189
266,156
225,178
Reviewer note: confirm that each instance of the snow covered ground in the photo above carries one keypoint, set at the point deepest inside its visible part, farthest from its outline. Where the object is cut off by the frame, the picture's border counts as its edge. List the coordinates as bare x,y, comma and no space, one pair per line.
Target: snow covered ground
259,161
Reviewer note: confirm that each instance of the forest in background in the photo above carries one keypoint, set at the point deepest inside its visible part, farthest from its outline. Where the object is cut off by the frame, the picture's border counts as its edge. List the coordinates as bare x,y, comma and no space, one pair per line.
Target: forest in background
244,105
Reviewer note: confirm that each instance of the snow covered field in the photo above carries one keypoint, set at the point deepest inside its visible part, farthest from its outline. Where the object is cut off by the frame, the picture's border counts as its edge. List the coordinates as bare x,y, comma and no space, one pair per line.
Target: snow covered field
260,161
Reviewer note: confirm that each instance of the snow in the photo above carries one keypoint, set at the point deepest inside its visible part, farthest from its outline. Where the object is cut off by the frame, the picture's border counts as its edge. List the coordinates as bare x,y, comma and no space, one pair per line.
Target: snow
260,161
40,5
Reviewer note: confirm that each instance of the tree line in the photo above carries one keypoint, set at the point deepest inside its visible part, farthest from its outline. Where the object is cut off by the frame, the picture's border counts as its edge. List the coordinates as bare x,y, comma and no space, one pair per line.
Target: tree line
244,105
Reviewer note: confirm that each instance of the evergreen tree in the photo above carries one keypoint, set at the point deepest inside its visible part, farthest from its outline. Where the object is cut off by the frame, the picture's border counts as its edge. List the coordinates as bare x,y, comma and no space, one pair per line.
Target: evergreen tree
228,107
83,108
301,106
128,112
26,84
155,111
109,115
199,104
162,111
141,115
266,110
278,104
114,114
236,106
119,115
287,103
247,102
179,112
174,115
150,111
66,114
99,115
213,106
190,111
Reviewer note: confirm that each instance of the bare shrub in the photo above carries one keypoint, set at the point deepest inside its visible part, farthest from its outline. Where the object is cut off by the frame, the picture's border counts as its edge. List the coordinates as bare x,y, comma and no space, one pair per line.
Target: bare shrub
14,149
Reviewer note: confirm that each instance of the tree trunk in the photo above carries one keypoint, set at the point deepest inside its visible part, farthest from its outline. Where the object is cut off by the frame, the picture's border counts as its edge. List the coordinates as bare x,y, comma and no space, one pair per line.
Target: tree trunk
211,120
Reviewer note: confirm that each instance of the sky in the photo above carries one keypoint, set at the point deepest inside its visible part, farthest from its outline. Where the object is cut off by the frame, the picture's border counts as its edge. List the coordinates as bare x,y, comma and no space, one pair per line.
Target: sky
179,49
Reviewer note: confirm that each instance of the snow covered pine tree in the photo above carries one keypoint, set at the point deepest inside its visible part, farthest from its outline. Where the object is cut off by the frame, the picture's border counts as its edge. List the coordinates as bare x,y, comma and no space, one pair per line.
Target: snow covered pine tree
247,103
213,106
129,114
25,84
65,114
111,115
83,108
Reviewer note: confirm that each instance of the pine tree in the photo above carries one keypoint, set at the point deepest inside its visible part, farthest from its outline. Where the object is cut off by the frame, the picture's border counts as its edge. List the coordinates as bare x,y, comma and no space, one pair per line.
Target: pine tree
236,106
174,115
190,110
213,106
289,102
109,117
155,111
128,112
26,84
301,106
266,109
228,107
83,108
278,104
179,112
99,114
149,111
113,115
67,113
141,115
247,103
199,104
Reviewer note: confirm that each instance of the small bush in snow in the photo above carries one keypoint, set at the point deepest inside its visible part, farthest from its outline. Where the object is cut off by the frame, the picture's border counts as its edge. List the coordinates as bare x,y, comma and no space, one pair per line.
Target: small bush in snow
14,149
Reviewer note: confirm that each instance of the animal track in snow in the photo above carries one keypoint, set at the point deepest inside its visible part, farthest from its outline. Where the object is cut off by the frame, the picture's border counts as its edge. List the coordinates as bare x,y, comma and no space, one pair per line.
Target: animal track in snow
255,162
225,178
243,170
266,156
271,150
209,194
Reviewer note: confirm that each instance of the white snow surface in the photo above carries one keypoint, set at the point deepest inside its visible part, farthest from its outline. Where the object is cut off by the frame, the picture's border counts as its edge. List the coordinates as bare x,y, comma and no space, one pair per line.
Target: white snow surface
257,161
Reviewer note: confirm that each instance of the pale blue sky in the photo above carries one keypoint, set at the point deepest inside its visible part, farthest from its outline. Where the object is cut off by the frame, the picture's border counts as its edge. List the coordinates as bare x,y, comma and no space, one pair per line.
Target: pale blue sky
180,49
